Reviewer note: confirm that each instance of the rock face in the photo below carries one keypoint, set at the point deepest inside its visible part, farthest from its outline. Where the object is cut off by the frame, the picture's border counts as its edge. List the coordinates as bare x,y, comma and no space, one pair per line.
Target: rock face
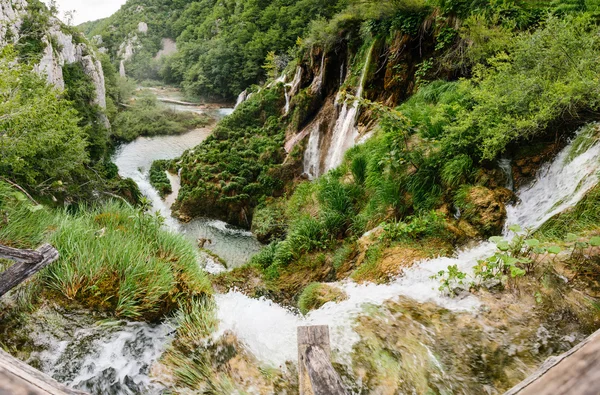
11,18
60,49
484,210
143,27
126,51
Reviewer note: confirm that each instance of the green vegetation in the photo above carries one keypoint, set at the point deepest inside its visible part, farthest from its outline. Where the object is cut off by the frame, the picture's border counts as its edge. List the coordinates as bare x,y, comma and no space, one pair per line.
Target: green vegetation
147,117
316,295
222,45
41,144
226,175
159,179
112,258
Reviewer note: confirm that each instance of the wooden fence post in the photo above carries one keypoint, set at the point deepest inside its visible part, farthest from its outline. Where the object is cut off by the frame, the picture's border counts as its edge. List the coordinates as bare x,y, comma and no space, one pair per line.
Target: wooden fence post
28,262
315,371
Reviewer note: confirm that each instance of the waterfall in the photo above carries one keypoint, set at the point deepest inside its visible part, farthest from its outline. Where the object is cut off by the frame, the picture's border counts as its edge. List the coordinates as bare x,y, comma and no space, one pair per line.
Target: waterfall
269,330
506,167
345,132
291,89
312,155
242,97
286,109
318,81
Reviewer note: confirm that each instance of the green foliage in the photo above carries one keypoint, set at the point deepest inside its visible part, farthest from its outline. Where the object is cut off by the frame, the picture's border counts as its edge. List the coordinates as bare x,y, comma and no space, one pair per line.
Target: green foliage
41,143
548,75
146,117
429,224
231,171
584,217
159,179
30,46
80,90
113,258
514,259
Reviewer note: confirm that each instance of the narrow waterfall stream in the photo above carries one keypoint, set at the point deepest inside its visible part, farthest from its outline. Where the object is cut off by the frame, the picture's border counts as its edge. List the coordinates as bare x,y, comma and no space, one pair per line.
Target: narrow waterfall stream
345,132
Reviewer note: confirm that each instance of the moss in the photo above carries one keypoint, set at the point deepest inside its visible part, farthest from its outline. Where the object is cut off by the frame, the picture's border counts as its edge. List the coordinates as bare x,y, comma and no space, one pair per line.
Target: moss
316,295
159,179
483,208
269,222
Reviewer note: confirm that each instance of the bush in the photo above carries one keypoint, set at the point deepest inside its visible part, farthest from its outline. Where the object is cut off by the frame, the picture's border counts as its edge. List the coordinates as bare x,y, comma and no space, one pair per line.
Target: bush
159,179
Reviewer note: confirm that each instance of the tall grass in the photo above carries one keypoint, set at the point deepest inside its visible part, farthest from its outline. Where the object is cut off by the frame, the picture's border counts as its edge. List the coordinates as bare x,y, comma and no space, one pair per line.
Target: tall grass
113,257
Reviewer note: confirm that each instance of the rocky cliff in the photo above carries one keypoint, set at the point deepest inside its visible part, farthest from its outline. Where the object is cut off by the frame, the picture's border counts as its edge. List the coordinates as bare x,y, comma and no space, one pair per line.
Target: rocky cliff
61,47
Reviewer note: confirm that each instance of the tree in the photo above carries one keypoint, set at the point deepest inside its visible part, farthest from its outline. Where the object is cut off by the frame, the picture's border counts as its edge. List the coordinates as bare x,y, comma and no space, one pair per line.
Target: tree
40,142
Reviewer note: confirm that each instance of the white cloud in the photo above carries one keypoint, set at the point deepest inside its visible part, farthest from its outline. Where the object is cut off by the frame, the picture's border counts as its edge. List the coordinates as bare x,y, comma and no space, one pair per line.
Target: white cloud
88,10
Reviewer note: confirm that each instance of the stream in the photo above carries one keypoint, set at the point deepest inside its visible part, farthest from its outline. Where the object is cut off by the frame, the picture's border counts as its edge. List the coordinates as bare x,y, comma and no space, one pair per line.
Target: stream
116,357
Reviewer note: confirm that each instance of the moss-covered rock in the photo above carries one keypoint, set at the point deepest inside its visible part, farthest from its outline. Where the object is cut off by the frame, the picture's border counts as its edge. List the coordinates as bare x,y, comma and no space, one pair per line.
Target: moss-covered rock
483,209
317,294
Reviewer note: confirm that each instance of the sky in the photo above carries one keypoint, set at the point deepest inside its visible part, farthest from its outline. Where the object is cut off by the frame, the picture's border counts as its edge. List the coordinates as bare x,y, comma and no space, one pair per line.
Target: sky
88,10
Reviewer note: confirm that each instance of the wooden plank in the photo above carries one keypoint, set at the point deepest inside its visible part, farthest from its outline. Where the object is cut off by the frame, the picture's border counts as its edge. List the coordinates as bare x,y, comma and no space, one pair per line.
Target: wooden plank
316,373
576,372
16,377
28,263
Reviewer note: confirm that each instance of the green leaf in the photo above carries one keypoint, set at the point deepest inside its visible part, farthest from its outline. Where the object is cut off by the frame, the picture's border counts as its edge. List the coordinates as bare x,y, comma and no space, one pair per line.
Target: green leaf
515,228
503,246
571,237
595,241
532,243
496,239
554,250
516,272
33,209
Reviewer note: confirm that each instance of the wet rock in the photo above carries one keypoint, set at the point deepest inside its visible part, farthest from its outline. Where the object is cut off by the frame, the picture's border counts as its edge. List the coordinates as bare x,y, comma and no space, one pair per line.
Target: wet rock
316,295
484,209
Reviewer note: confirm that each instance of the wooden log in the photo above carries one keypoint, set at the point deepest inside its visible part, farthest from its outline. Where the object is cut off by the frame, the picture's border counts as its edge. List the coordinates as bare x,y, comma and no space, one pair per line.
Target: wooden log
28,262
18,378
316,373
576,372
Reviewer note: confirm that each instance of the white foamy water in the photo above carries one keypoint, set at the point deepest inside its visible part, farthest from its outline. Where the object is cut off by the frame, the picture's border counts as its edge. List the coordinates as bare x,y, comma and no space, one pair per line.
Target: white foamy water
345,132
312,154
110,358
269,331
560,185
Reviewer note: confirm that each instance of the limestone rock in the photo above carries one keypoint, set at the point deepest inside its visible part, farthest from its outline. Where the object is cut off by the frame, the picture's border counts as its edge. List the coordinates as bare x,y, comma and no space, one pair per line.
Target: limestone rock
484,209
11,18
143,27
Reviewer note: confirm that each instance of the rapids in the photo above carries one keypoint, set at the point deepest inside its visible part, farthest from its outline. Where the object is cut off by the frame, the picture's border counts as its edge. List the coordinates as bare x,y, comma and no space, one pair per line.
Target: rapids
269,330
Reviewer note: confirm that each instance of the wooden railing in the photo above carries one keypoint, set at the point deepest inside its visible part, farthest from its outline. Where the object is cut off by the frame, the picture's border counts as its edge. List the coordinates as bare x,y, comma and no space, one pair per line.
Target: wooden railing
27,263
575,372
316,373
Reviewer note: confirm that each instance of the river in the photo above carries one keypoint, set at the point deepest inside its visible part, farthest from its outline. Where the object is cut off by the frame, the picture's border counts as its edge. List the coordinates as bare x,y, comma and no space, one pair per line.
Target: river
123,355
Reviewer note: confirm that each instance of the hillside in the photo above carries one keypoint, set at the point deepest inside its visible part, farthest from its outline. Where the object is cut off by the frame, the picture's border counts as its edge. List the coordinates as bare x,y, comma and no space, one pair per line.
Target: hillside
422,176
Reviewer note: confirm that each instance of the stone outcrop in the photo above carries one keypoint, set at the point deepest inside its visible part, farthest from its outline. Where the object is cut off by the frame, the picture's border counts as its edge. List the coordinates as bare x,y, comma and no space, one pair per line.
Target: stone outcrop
60,49
11,18
126,51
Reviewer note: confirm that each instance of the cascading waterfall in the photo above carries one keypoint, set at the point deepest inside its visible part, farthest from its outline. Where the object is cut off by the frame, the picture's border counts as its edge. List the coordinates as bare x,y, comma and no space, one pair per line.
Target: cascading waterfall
269,330
108,357
345,132
312,155
506,167
292,88
242,97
